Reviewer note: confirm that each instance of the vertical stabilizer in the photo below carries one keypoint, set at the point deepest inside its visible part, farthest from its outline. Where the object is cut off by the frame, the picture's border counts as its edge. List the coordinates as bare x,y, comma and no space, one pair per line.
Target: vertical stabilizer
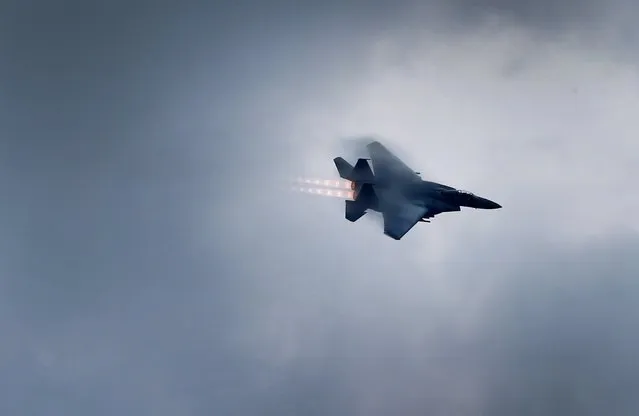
344,168
361,172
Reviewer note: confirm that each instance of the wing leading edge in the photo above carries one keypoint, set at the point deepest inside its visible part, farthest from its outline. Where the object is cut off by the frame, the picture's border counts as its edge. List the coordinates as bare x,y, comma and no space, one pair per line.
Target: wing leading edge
398,222
389,167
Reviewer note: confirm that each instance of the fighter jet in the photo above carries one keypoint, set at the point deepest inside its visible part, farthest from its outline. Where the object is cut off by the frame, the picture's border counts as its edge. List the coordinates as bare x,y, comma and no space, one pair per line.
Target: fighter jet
399,193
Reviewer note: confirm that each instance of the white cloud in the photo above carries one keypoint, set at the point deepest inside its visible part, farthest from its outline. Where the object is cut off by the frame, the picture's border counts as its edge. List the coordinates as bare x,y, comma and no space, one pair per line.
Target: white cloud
544,127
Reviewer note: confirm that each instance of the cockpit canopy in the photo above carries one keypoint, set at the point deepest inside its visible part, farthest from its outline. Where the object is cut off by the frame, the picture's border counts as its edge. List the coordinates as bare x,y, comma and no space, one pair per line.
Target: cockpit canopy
461,191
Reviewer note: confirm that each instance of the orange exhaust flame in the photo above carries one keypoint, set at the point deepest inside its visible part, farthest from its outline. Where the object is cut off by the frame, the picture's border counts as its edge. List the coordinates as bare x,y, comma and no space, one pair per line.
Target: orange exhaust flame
330,183
325,192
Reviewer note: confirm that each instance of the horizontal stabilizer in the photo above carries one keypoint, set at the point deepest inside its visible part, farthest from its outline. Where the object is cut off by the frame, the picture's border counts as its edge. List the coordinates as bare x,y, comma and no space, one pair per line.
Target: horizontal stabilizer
355,210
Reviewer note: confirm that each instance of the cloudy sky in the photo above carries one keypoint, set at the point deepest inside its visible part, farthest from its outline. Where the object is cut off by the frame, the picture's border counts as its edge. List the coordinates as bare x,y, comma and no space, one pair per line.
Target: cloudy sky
152,265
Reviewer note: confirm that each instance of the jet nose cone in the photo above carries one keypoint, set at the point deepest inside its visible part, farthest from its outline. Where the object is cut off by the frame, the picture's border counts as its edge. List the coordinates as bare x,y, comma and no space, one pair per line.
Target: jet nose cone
492,205
488,204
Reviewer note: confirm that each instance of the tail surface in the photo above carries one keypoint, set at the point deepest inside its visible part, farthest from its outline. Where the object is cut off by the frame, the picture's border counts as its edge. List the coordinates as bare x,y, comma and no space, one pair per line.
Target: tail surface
343,168
361,172
365,199
361,178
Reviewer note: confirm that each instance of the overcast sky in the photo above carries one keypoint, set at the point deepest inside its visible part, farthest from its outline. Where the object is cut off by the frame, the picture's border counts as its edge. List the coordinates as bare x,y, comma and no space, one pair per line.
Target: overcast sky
150,263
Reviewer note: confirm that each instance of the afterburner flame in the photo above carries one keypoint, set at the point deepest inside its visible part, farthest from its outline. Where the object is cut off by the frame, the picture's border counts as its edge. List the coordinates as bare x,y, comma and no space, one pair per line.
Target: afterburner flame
325,192
329,183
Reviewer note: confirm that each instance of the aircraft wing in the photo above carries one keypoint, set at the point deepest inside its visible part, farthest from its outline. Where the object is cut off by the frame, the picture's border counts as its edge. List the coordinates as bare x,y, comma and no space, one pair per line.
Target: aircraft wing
388,167
400,215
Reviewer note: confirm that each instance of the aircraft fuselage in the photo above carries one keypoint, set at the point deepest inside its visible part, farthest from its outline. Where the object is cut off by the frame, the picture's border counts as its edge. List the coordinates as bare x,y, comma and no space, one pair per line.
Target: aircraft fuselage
439,197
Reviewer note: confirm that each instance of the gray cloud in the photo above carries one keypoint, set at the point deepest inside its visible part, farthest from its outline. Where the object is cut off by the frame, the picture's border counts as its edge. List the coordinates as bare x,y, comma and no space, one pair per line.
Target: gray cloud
149,264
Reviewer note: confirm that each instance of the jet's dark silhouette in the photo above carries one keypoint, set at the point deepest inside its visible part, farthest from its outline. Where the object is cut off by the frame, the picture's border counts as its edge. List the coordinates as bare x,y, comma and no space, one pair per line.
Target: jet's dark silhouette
399,193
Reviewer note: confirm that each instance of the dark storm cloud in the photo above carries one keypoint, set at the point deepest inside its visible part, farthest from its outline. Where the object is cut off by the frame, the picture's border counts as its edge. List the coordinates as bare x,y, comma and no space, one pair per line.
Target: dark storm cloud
537,14
148,267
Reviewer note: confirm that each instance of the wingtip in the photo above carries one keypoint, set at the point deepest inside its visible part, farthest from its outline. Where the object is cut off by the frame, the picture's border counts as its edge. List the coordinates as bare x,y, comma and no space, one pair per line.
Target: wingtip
393,236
